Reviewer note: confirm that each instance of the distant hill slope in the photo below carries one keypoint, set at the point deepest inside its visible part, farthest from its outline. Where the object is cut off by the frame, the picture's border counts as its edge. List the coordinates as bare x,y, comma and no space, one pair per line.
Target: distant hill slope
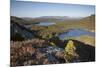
19,20
19,32
87,23
65,23
51,19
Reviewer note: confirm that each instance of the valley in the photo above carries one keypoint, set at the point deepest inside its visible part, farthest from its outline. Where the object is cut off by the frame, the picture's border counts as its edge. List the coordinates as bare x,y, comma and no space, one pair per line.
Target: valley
51,41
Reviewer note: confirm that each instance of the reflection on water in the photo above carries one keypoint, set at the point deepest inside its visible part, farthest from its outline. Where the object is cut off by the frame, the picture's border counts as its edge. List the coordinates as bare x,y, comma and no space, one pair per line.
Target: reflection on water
45,23
75,33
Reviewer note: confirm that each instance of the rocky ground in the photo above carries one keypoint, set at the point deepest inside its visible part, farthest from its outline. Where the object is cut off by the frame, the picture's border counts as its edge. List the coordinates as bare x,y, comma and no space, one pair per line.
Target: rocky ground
39,52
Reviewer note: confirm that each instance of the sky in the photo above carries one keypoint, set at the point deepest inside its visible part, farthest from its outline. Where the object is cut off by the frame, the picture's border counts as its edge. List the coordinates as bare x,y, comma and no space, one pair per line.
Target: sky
38,9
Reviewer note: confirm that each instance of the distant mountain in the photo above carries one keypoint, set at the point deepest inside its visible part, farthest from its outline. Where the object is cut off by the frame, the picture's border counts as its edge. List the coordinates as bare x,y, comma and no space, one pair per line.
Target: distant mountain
87,23
27,18
55,17
51,19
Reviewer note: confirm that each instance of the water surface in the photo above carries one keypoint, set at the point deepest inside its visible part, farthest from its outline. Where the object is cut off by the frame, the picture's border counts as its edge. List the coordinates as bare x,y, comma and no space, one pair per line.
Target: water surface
45,23
76,33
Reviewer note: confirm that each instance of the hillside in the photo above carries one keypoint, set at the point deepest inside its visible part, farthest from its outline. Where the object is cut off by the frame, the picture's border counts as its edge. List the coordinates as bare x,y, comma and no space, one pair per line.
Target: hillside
51,19
20,20
37,51
19,32
87,23
41,44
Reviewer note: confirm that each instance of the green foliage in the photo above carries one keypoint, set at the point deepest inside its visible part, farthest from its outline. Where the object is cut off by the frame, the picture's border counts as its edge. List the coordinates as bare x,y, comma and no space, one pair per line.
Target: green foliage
70,48
52,44
70,51
49,36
